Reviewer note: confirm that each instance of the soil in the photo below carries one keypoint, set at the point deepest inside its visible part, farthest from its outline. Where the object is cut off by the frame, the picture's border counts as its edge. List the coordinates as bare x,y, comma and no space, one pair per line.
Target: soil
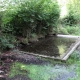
6,60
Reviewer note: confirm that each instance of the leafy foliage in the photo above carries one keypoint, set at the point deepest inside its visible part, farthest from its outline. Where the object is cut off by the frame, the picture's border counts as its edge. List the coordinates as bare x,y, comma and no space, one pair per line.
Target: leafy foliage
32,16
69,20
27,18
73,16
7,41
72,30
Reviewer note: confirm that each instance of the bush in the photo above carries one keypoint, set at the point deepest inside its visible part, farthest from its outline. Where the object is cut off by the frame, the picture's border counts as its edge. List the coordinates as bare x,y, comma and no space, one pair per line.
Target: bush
7,41
73,16
69,30
70,20
30,17
74,30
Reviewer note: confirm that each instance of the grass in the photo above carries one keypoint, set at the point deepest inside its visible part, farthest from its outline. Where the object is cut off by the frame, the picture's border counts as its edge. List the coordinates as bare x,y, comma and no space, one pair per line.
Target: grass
48,71
35,72
75,60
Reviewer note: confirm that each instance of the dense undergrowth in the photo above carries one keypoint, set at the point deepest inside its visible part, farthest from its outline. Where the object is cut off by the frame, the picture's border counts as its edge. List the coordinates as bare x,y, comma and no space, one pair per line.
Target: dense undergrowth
32,19
69,30
70,23
28,18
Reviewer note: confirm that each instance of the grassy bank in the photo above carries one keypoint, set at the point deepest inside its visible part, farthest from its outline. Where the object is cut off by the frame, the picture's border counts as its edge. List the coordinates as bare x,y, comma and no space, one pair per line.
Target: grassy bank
51,70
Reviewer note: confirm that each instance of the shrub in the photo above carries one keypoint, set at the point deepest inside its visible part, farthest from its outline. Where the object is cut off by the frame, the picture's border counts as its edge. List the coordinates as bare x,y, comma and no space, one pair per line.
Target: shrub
32,16
70,20
7,41
74,30
73,16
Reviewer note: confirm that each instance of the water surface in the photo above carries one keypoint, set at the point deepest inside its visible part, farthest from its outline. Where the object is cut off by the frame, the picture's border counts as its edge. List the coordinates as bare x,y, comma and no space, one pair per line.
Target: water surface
50,46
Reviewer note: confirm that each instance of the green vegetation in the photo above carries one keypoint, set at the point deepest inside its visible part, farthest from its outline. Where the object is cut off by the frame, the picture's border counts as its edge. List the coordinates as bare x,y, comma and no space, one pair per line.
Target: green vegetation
70,30
73,16
48,71
70,23
40,17
28,18
75,60
37,72
8,41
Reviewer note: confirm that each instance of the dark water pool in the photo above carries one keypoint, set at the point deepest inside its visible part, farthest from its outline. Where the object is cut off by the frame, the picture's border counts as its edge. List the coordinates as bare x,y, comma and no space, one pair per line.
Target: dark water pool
50,46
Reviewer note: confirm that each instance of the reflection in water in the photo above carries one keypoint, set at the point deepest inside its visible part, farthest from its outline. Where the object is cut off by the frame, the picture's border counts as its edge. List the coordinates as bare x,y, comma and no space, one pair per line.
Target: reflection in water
51,46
